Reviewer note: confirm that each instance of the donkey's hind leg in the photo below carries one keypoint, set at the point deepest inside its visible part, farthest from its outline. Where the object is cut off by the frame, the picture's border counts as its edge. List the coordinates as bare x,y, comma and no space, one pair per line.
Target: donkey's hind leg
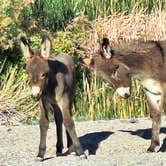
69,140
58,120
69,125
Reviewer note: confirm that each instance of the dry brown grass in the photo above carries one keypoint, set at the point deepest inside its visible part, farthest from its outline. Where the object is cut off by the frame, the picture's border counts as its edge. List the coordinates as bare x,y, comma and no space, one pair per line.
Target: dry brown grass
135,26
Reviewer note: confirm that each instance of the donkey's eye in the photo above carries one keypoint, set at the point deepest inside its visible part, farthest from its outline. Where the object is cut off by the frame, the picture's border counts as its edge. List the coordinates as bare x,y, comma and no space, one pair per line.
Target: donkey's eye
44,75
115,73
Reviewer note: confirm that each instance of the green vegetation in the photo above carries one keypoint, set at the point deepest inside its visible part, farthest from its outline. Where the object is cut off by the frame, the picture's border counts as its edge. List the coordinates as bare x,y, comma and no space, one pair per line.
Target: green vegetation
56,14
66,23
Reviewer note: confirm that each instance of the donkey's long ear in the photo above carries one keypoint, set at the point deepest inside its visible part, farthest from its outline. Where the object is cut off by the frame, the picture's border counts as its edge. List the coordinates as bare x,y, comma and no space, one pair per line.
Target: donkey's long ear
87,61
45,46
27,52
106,51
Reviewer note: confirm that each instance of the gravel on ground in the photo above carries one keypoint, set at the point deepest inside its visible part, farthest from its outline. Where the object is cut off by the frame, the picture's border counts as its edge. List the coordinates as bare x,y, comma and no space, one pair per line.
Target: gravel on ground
107,143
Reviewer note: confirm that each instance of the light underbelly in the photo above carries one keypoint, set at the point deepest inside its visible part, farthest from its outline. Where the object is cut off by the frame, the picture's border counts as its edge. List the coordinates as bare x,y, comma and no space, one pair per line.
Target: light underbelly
154,92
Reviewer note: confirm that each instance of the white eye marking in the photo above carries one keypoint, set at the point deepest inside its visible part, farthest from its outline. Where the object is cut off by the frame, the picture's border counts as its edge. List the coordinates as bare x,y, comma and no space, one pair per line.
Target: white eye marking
123,91
35,90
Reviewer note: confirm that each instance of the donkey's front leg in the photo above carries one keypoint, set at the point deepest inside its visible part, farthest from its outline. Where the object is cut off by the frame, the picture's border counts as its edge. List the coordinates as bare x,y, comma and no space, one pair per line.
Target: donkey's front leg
155,141
155,114
44,124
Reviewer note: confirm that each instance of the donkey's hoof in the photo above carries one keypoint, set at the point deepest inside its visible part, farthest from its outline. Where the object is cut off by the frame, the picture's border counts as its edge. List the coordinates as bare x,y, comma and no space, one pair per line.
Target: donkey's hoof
151,149
41,153
154,146
40,156
157,149
73,153
59,152
83,156
76,150
39,159
79,152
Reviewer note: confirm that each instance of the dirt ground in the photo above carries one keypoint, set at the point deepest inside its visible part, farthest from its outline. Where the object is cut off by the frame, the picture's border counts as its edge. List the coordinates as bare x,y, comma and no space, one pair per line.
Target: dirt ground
108,143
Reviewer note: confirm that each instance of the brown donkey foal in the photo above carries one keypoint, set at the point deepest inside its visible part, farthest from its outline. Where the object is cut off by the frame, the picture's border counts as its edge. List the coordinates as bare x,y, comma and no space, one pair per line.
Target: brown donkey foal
144,61
51,82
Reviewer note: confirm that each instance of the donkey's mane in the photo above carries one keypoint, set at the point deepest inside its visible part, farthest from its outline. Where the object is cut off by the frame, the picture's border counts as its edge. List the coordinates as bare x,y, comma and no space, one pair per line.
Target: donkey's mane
149,49
138,46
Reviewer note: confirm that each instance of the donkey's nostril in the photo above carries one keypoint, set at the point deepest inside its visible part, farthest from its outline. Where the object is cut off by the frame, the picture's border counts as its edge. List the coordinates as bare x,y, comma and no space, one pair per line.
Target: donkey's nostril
36,98
123,91
126,95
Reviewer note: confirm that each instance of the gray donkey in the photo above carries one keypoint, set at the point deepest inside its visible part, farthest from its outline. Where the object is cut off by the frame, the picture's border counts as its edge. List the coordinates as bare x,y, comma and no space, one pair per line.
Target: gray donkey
51,82
146,62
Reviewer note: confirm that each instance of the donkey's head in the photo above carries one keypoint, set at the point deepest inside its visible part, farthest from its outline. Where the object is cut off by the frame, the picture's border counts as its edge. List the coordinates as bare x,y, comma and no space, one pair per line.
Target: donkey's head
110,68
37,66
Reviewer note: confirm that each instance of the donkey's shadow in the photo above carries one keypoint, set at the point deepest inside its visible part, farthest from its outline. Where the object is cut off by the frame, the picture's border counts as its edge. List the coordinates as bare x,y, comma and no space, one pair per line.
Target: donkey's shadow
91,141
147,134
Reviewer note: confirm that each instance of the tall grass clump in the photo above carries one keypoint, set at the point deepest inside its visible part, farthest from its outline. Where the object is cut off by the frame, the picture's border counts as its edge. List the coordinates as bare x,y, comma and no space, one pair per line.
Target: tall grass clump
15,100
56,14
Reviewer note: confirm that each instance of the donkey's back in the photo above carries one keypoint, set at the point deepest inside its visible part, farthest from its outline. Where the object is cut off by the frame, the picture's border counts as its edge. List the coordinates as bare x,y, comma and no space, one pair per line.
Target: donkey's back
62,69
62,57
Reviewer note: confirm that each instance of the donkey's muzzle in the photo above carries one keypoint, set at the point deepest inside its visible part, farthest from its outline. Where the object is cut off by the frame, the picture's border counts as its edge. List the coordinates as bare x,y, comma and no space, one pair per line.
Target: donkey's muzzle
35,98
35,92
124,92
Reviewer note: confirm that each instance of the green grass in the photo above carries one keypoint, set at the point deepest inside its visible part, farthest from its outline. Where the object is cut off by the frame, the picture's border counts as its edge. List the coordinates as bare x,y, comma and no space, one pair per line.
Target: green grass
56,14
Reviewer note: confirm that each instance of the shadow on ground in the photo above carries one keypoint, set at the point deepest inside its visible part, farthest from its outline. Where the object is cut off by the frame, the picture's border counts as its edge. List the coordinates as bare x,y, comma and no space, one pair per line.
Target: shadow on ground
147,134
91,141
88,142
